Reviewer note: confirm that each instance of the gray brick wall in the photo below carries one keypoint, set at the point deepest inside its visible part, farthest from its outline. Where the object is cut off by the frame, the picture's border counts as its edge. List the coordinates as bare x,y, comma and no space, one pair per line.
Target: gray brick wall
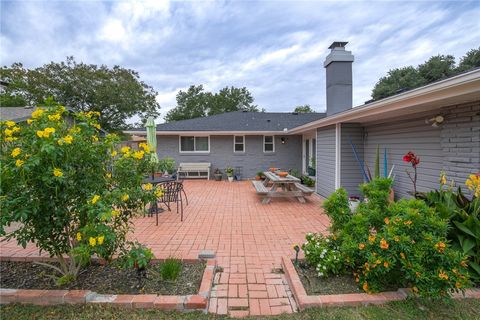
286,156
460,141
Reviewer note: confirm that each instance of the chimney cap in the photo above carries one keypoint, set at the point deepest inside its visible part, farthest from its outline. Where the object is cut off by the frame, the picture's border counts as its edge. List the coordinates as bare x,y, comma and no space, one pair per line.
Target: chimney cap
337,44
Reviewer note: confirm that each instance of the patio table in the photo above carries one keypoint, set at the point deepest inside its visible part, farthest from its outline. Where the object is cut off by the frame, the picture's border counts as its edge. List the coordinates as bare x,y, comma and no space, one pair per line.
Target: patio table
286,184
154,207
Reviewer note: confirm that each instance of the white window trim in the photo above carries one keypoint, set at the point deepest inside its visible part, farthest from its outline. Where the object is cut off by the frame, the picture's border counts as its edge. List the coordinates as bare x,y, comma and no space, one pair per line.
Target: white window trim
243,143
273,142
194,147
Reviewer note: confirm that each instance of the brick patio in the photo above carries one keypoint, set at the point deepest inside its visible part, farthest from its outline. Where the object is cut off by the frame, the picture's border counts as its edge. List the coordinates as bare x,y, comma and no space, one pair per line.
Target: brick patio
249,240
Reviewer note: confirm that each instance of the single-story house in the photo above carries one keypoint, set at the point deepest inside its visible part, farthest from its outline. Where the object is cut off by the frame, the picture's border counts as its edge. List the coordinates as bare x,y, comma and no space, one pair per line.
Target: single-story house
440,122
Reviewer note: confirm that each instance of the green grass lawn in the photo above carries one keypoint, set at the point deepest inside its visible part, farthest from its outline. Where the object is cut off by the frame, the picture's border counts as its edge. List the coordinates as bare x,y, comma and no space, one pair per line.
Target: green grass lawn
411,309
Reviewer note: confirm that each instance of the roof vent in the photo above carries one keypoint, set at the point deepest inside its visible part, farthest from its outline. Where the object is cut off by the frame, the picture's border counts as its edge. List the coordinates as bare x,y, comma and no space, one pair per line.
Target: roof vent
268,120
28,107
244,111
295,113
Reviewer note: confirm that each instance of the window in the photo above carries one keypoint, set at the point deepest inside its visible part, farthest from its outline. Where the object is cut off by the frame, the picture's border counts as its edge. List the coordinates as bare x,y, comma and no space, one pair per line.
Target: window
194,144
268,144
238,143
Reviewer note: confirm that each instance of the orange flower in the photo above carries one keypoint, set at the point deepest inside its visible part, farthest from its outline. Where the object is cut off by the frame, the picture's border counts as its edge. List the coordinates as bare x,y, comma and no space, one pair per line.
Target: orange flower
408,222
371,238
458,285
378,261
361,246
443,275
440,246
415,289
386,264
383,244
357,279
387,221
365,286
463,263
418,274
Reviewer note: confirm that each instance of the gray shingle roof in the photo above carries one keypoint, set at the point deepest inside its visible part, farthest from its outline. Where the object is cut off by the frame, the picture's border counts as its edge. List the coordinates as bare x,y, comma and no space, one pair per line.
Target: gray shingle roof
242,121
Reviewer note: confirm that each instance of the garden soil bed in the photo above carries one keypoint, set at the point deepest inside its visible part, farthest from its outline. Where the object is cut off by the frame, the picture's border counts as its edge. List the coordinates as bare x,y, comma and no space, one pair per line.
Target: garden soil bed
105,279
315,285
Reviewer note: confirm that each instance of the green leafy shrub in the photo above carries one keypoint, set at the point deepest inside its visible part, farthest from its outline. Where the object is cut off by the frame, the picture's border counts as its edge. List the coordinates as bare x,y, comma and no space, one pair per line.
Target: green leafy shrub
170,269
167,164
337,209
69,189
464,217
137,256
229,171
309,182
323,253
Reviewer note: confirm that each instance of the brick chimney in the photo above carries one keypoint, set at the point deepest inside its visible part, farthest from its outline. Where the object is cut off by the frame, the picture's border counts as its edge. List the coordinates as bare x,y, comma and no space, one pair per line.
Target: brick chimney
339,78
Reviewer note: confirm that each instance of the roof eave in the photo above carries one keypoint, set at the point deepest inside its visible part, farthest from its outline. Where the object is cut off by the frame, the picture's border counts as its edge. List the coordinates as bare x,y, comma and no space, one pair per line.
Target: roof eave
467,83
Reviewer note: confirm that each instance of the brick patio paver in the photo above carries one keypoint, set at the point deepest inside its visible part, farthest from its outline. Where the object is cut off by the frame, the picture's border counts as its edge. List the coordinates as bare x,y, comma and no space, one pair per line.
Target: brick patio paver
249,239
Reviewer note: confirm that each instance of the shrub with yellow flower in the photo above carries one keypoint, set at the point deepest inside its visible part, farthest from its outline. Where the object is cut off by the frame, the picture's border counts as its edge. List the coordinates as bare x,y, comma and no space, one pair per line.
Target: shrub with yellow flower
57,172
16,152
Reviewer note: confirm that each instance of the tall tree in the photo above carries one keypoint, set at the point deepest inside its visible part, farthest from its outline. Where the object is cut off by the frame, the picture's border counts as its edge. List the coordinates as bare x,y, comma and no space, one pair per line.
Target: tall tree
437,67
118,93
470,60
303,109
395,80
196,102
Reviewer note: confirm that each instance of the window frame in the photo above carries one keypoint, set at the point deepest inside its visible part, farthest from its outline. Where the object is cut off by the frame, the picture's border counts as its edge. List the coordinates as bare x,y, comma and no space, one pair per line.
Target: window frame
235,143
194,144
273,144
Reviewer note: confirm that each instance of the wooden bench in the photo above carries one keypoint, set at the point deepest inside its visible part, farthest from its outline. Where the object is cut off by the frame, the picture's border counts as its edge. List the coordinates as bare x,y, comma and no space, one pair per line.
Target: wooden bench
259,187
194,170
305,190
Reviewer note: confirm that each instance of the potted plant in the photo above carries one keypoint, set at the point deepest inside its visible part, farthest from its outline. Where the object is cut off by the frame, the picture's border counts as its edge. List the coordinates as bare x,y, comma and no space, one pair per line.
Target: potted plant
167,165
218,174
309,182
229,173
353,202
259,175
311,169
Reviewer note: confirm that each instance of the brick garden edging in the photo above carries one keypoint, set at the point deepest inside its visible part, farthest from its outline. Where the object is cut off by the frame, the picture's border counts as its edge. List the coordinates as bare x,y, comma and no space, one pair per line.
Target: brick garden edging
348,299
197,301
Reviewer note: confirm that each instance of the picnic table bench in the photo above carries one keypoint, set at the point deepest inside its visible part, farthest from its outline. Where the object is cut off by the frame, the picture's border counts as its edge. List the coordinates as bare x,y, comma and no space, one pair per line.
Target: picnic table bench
289,187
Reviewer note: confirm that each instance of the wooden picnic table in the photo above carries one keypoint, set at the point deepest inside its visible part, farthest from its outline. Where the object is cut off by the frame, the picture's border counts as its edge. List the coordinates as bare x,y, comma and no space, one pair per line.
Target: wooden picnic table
289,187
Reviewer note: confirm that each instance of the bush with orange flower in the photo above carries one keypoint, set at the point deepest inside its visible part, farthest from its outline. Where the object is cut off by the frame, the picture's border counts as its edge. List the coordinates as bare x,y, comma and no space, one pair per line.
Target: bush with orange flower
67,188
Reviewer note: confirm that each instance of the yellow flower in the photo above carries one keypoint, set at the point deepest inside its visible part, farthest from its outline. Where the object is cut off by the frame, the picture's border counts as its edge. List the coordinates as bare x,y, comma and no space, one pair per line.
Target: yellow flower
8,132
92,241
16,152
383,244
10,123
125,149
79,236
158,192
138,154
29,121
361,246
16,129
396,238
19,163
96,125
415,289
10,139
115,213
114,153
37,113
108,175
148,186
443,178
57,172
371,238
100,239
94,138
54,117
95,199
40,134
473,183
74,130
68,139
443,275
125,197
408,222
49,130
145,147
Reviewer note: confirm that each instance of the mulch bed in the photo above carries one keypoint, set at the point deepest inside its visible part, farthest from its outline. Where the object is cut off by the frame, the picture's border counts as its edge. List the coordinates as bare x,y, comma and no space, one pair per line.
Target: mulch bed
106,279
315,285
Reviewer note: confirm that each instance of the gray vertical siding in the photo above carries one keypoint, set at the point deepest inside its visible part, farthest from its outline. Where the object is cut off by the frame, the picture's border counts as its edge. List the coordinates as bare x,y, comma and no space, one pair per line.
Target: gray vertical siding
453,146
286,156
398,138
351,175
325,183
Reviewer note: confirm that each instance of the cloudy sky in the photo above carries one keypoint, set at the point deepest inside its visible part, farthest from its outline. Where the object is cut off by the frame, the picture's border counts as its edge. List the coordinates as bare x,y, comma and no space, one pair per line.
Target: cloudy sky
274,48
